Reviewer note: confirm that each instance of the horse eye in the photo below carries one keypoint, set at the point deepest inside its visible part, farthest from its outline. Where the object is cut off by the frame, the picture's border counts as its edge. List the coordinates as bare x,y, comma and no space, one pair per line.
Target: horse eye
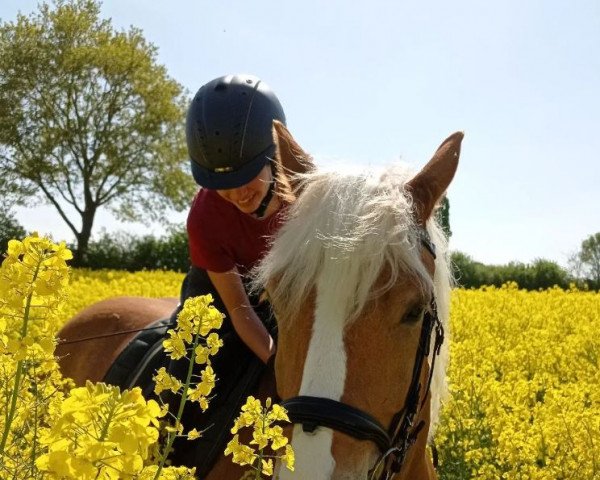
414,315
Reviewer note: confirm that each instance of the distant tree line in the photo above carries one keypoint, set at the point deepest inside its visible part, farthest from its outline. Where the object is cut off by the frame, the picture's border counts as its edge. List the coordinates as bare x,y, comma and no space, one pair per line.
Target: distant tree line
583,270
126,251
540,274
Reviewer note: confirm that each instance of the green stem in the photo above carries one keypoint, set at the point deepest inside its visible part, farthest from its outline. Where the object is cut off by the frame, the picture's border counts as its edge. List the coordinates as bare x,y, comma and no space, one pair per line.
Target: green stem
34,447
258,469
13,404
106,426
19,374
104,432
261,455
184,395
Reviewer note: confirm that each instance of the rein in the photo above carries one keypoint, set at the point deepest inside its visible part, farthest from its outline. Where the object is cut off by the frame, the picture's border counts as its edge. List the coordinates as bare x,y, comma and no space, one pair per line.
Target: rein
107,335
394,442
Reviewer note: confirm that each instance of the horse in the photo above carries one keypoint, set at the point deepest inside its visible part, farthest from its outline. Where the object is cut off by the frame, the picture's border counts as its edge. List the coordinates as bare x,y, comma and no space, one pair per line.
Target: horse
359,281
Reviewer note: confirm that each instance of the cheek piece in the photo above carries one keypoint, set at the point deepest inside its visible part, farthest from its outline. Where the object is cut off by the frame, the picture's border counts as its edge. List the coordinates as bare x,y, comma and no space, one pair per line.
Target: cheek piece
260,211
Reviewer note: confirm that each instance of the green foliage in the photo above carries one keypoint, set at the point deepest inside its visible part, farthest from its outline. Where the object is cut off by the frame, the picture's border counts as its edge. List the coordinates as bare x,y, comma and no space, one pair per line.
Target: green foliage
89,119
540,274
10,228
590,258
584,265
443,216
123,251
467,272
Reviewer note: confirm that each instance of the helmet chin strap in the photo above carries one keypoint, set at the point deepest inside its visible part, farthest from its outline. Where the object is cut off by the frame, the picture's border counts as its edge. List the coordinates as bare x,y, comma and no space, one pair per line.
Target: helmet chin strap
262,208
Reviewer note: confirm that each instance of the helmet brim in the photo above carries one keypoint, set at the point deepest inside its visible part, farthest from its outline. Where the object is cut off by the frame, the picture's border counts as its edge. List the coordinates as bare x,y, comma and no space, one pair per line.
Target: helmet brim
226,180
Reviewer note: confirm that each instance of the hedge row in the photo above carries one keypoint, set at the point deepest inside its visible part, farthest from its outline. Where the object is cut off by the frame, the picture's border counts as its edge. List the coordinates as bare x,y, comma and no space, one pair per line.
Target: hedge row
540,274
125,251
128,252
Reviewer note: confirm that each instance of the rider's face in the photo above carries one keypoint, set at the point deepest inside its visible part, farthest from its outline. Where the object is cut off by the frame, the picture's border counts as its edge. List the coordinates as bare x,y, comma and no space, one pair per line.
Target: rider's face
247,198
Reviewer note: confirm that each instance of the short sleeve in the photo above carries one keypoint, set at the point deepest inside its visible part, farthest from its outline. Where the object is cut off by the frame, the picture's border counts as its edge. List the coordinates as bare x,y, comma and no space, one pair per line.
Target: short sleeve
207,254
206,246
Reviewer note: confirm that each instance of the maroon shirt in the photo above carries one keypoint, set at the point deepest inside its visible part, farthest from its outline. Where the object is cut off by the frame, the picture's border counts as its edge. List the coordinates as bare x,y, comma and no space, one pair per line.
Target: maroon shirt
222,237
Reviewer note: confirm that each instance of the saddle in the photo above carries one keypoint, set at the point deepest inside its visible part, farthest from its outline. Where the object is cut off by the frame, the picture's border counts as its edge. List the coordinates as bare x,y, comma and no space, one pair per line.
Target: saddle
136,364
242,370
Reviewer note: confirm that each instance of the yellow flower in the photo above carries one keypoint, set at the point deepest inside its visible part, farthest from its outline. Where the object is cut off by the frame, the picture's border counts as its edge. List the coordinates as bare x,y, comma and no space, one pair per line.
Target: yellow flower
278,440
214,343
242,454
165,381
202,354
251,413
193,434
177,429
102,430
267,467
202,389
288,458
261,420
277,414
260,438
203,401
167,473
207,382
15,248
175,345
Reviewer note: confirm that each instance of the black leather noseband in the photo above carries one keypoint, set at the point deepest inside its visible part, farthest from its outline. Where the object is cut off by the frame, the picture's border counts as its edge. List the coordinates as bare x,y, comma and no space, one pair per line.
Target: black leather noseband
313,412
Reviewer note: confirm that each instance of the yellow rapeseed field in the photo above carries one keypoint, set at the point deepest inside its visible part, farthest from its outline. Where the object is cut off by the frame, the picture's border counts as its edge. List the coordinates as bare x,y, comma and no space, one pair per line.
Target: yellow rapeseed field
524,376
525,386
87,287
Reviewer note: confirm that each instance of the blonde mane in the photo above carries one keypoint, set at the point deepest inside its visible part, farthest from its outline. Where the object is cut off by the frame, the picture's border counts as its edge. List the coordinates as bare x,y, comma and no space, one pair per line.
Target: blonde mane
354,225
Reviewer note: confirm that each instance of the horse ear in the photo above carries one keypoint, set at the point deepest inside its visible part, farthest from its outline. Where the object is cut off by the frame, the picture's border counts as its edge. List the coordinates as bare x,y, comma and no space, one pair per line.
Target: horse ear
291,159
432,181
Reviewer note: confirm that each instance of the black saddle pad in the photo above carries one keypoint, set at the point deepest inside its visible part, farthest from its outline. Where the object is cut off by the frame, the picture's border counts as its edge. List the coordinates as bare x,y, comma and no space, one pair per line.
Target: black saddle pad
136,364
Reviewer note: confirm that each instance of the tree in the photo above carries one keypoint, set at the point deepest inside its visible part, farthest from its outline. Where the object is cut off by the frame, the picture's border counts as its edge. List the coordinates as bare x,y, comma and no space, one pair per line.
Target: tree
539,274
547,274
443,216
10,229
89,119
590,258
463,269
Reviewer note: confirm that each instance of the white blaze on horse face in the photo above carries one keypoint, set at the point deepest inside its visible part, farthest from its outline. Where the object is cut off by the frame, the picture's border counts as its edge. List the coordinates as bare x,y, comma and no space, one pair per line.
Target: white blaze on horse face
324,376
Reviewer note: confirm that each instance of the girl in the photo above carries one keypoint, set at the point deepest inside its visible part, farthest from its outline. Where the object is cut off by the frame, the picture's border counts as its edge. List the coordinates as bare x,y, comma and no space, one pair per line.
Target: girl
231,125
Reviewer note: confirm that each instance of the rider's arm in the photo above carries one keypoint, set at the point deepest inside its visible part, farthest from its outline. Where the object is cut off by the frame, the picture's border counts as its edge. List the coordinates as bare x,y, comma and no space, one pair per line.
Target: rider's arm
243,317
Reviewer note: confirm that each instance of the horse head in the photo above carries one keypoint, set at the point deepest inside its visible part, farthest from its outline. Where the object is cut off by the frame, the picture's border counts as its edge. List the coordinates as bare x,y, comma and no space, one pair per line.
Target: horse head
359,282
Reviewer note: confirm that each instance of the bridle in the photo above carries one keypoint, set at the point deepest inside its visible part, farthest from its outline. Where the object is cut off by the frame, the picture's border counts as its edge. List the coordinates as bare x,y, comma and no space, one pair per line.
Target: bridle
60,341
395,441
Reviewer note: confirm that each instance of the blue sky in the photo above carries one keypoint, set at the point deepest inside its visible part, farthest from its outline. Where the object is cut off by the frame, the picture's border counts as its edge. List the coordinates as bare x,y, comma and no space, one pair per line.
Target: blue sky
365,84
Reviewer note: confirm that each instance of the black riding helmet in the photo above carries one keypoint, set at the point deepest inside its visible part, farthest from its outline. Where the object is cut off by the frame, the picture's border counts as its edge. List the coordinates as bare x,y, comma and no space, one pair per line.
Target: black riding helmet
229,130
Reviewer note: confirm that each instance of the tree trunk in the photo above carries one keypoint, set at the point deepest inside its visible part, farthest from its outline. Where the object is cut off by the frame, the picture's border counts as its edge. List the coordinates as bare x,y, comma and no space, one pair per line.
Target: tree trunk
83,238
